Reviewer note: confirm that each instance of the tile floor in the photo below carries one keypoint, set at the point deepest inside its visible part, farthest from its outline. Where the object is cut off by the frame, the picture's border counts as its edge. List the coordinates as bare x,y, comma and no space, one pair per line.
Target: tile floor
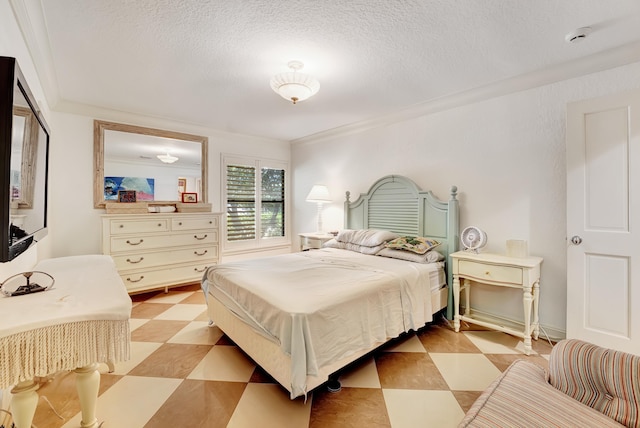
183,373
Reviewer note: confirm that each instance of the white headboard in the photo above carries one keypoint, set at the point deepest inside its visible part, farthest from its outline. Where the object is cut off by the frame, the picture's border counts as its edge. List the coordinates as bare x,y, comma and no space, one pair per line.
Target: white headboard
397,204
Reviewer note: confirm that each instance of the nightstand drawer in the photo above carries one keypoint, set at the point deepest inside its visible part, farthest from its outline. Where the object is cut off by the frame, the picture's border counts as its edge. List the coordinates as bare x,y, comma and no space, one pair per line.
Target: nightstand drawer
487,272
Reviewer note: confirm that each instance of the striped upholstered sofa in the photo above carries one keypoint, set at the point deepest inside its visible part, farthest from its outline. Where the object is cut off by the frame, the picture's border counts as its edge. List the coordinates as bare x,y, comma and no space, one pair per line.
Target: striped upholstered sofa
586,386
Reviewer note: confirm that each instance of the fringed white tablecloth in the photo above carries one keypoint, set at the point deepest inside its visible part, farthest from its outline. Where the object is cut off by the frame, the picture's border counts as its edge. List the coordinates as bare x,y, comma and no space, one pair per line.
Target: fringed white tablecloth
83,319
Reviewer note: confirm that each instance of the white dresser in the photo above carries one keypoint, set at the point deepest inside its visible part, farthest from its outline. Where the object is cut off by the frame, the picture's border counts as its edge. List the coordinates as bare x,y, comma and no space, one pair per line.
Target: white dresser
154,251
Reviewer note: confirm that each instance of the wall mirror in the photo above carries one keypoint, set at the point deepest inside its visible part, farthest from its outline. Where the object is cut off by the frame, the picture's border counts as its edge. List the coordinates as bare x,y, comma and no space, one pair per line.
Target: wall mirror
159,165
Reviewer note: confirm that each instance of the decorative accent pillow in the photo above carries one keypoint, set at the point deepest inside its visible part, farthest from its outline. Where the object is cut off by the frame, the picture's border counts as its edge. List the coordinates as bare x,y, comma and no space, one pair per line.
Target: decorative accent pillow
428,257
415,244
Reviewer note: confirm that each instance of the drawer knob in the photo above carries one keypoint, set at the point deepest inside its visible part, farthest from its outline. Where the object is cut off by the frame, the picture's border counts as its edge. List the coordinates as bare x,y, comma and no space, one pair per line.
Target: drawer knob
200,254
201,270
121,226
135,280
159,224
179,223
210,222
135,261
135,243
487,273
198,238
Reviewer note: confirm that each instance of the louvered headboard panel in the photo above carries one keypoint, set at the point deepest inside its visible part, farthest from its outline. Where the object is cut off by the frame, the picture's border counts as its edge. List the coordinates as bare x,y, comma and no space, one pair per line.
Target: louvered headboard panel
397,204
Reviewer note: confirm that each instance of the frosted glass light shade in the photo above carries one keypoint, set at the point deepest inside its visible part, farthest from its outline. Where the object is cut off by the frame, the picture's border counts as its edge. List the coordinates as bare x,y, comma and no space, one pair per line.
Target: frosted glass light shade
167,158
319,193
294,86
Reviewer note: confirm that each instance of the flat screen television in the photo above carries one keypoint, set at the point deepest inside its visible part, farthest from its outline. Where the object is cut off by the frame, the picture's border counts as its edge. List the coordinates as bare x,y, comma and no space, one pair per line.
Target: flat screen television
24,164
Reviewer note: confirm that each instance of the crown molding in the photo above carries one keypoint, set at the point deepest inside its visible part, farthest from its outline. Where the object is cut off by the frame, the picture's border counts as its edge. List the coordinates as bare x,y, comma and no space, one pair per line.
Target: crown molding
601,61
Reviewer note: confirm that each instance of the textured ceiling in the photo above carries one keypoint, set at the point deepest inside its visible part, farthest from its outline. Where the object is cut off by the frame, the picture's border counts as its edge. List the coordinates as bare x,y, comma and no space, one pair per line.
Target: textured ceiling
209,62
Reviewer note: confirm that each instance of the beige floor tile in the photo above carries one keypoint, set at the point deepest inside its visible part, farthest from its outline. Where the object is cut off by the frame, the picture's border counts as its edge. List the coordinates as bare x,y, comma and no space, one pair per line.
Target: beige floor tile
409,343
224,363
130,402
139,352
495,342
197,333
170,297
411,408
157,330
466,372
182,312
174,360
364,374
268,406
408,370
199,403
135,323
351,407
149,310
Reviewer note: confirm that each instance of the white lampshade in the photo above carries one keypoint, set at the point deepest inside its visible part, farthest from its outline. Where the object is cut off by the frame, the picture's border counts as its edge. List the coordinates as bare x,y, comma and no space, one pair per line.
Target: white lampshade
294,86
319,193
167,158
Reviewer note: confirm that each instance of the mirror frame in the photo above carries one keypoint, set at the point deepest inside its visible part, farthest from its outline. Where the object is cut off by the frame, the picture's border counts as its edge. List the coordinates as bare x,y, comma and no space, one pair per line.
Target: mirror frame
29,150
99,126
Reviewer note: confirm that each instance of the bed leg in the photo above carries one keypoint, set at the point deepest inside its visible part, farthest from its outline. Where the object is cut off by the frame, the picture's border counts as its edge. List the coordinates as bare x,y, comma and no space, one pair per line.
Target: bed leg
333,384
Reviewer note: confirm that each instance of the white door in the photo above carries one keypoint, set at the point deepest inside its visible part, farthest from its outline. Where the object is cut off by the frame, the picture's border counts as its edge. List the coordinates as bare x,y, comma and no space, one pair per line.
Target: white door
603,221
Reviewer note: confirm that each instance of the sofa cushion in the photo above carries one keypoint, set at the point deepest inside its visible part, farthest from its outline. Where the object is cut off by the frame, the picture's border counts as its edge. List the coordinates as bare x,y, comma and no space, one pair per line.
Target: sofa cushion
522,397
604,379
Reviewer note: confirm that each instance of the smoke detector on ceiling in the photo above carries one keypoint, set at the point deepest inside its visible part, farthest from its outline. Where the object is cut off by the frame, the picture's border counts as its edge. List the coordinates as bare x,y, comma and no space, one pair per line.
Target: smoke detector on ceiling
577,35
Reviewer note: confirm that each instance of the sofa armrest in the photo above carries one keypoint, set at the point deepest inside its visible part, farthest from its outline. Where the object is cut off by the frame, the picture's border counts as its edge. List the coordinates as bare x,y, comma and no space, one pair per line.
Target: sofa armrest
603,379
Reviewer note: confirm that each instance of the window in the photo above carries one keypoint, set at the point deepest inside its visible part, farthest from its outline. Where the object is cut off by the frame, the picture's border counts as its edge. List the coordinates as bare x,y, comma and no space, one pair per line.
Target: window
255,201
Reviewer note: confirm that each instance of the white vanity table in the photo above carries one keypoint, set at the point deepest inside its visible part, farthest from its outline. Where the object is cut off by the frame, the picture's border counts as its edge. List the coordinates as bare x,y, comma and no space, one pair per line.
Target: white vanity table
82,321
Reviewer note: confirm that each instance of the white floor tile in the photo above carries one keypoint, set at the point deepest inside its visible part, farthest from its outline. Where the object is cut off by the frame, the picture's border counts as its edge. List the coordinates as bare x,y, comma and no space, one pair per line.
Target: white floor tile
465,372
413,408
411,344
364,375
130,402
266,406
495,342
173,297
139,352
224,363
184,312
197,333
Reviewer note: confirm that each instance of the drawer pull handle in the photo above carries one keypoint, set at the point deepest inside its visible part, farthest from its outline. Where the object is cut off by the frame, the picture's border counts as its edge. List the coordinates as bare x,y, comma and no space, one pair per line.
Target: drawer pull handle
487,273
199,239
121,226
135,280
136,261
210,222
200,254
201,270
179,223
159,224
135,243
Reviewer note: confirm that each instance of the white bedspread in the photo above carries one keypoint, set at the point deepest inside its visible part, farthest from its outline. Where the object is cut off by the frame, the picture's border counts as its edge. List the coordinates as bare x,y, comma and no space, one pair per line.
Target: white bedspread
323,305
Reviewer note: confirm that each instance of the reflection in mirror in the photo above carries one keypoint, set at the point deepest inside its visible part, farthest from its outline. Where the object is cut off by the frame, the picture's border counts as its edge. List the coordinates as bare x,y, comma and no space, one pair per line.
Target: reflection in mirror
24,145
159,165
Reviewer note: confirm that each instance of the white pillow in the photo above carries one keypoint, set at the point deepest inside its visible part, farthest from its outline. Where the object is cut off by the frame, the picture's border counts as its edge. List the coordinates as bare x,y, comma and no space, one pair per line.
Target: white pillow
366,237
333,243
429,257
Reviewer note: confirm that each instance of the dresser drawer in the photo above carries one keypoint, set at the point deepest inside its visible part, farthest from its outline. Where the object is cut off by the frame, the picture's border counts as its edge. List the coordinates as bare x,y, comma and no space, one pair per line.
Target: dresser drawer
142,260
487,272
121,227
194,223
142,242
147,279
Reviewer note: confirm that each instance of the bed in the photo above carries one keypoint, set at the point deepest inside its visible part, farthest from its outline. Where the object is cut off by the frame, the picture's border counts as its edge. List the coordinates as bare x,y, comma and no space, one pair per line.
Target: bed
303,316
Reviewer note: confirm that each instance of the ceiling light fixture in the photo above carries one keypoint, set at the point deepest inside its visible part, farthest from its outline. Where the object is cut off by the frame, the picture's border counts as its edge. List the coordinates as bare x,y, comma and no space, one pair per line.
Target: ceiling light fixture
293,85
167,158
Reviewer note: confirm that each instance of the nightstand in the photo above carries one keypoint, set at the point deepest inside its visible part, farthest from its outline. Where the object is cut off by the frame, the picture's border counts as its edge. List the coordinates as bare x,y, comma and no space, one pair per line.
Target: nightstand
501,271
311,241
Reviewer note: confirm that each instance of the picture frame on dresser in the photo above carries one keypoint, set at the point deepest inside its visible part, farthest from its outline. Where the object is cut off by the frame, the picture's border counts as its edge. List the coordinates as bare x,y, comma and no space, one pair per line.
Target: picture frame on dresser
189,198
126,196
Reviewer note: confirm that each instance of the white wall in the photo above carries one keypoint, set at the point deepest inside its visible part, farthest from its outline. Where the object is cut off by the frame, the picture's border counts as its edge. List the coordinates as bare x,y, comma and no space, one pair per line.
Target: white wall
75,224
507,157
13,45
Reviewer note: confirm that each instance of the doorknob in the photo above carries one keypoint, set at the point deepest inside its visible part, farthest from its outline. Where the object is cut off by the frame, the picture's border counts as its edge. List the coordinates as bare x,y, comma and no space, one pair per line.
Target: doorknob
576,240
